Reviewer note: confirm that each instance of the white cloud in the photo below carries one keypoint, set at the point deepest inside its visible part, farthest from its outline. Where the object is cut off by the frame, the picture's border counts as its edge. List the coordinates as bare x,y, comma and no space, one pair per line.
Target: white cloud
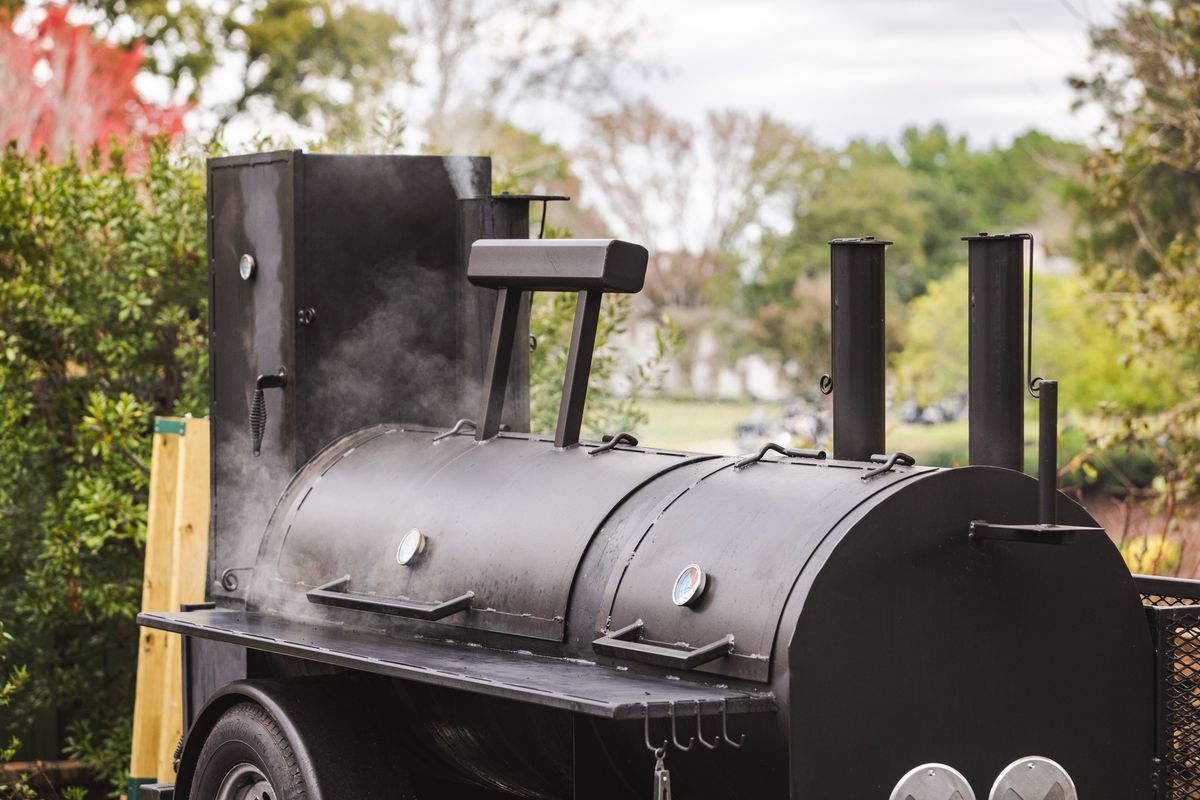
846,68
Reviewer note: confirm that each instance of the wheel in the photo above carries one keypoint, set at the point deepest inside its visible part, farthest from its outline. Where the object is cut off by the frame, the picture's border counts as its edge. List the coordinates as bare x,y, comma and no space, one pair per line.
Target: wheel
248,757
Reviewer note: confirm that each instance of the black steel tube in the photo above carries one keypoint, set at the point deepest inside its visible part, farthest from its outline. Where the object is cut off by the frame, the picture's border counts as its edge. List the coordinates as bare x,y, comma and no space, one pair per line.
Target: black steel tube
996,387
1048,452
857,277
579,366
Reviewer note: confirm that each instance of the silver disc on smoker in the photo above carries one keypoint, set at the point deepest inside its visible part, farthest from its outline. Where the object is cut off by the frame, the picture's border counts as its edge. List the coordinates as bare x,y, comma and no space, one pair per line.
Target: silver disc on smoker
1033,778
933,782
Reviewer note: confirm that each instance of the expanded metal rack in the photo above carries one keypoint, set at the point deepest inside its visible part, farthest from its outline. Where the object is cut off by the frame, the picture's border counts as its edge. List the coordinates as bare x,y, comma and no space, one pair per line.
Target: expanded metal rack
1173,606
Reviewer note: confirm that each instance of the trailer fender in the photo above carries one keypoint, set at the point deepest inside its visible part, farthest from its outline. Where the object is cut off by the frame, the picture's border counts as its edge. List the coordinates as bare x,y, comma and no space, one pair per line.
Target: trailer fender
323,723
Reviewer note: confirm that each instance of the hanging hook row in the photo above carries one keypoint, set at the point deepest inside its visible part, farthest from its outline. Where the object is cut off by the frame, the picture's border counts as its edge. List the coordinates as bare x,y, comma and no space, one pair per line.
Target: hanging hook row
659,750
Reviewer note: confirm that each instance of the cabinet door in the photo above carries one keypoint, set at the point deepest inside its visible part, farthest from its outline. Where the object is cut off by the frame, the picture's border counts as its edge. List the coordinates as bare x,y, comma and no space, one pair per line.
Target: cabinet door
251,204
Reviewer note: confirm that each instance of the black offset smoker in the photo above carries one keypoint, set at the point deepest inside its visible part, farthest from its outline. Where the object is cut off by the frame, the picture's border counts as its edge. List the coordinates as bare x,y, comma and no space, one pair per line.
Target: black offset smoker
437,610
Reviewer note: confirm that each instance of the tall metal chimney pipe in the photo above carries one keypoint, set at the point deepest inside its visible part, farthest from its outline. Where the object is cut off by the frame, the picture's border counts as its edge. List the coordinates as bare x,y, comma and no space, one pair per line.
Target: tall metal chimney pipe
857,274
996,387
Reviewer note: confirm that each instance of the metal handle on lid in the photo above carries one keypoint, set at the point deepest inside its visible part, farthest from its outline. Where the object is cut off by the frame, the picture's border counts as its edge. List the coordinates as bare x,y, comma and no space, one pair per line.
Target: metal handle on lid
787,452
610,443
334,594
888,462
621,643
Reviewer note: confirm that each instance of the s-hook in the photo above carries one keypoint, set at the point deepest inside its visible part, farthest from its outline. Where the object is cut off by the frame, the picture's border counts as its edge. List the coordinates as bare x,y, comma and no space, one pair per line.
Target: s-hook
656,749
700,731
725,728
662,776
675,735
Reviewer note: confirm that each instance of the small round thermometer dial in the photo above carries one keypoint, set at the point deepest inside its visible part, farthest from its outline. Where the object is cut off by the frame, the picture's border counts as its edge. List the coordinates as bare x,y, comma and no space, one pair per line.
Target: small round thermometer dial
247,267
689,585
412,544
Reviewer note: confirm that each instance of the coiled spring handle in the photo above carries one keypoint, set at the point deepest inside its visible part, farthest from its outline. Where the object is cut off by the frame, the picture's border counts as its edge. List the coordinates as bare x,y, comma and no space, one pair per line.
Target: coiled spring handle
258,405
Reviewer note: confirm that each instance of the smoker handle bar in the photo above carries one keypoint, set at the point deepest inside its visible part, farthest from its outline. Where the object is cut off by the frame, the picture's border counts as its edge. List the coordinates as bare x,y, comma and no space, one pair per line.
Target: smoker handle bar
334,594
620,643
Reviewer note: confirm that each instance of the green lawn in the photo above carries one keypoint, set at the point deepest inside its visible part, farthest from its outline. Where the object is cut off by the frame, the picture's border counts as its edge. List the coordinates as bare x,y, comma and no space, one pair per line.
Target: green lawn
702,426
710,427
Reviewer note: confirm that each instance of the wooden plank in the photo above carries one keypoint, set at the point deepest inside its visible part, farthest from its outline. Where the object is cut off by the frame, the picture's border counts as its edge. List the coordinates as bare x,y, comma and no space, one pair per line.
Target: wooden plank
152,669
189,563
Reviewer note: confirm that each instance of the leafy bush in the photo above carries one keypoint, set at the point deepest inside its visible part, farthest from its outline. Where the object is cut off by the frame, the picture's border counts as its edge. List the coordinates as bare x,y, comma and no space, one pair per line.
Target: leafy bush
1152,555
102,326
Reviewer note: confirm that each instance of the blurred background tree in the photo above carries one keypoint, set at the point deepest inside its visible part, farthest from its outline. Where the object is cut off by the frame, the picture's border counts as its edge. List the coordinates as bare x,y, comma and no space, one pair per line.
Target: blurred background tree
1140,227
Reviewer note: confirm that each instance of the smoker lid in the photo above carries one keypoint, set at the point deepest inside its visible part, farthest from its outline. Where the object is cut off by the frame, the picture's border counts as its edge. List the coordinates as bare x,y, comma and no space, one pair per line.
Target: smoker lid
750,531
505,522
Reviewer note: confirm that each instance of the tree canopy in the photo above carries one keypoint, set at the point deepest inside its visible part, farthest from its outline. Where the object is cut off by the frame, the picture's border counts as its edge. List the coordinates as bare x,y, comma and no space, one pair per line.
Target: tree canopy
1140,221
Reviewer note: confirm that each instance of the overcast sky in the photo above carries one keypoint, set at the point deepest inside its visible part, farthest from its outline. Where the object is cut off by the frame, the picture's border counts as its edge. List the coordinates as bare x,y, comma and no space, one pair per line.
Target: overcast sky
846,68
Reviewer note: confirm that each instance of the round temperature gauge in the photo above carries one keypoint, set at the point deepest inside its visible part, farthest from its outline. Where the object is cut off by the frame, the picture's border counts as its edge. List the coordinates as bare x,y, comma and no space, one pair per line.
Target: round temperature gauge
689,585
412,544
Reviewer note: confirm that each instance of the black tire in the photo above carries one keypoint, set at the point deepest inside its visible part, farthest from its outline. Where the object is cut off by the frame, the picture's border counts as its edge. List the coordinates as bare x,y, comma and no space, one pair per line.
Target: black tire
246,756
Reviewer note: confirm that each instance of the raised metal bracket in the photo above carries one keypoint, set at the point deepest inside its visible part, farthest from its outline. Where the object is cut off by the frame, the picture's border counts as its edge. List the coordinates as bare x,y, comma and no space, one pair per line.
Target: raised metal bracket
1031,533
589,267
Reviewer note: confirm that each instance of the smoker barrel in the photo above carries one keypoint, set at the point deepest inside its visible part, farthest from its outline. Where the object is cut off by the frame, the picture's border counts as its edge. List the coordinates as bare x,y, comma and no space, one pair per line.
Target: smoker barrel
996,390
531,616
857,278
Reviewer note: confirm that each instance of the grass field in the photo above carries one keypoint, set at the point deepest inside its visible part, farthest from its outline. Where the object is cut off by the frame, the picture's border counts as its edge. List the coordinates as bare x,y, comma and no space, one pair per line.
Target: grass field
711,426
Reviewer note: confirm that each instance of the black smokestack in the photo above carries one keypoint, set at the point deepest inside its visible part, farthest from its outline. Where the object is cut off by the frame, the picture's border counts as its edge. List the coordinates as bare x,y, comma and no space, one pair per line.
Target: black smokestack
997,390
857,272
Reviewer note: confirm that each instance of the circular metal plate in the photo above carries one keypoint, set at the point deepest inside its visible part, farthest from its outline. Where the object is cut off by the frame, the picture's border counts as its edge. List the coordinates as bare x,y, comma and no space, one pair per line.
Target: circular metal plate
411,545
933,782
1033,778
689,585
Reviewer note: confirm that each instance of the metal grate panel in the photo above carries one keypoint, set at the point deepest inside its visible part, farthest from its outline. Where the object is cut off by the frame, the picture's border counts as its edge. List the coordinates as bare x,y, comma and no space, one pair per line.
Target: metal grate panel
1173,607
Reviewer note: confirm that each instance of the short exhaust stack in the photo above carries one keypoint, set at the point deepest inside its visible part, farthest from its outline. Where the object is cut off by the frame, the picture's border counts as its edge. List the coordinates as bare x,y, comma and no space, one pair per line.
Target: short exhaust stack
996,388
857,280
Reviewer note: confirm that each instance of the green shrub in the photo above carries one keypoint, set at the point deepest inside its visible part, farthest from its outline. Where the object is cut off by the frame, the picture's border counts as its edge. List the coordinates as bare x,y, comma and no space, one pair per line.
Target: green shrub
102,326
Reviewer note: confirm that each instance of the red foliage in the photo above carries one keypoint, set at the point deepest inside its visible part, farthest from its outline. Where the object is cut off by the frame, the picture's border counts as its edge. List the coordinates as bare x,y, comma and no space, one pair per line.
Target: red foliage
63,89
